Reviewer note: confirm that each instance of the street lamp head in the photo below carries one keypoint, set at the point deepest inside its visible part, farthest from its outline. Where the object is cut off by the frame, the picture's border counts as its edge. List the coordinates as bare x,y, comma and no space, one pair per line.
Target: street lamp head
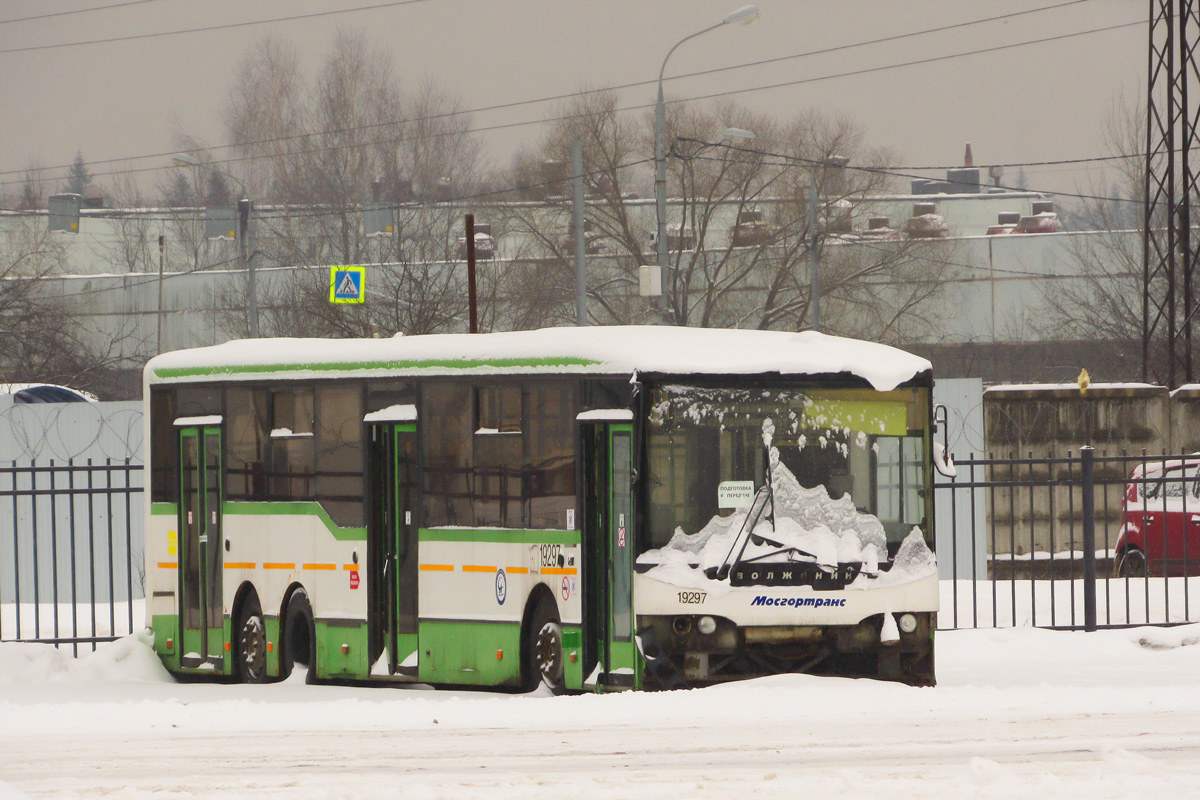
738,133
744,15
185,160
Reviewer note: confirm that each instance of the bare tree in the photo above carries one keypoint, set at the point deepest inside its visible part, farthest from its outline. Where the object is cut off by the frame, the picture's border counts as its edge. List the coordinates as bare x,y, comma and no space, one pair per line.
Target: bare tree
614,161
36,186
321,149
738,223
133,246
1102,302
46,335
265,116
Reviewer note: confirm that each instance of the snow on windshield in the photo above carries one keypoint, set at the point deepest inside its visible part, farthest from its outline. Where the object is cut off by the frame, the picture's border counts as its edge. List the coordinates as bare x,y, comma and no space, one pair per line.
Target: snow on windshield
809,526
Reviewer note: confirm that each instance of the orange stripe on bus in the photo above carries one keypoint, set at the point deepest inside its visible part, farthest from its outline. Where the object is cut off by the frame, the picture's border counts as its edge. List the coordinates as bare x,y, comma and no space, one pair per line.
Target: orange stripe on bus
167,565
477,568
438,567
518,570
239,565
559,571
278,565
350,567
320,566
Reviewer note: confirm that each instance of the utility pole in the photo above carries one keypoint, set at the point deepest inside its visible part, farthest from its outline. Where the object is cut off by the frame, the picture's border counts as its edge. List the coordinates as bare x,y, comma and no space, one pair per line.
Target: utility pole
162,248
577,224
473,319
246,262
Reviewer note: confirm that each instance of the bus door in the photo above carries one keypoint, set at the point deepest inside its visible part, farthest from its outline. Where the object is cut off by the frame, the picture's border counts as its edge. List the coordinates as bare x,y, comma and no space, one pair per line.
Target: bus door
609,654
202,627
392,548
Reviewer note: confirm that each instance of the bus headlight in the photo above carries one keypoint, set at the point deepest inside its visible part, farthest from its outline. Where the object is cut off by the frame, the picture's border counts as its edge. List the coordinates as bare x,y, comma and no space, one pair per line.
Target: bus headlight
706,625
908,623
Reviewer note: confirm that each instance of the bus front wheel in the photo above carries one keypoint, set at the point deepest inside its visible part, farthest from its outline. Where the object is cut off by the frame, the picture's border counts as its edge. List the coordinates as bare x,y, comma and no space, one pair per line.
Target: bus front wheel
544,649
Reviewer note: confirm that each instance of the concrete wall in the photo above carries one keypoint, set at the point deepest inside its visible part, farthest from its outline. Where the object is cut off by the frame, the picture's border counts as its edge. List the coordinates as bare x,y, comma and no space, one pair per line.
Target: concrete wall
1054,420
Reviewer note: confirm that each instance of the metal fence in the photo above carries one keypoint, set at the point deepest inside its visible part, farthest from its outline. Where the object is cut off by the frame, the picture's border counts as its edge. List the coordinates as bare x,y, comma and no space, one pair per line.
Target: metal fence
1077,541
70,550
1022,541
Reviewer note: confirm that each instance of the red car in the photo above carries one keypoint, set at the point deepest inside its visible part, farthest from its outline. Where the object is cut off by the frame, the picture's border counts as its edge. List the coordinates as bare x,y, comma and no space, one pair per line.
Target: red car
1160,534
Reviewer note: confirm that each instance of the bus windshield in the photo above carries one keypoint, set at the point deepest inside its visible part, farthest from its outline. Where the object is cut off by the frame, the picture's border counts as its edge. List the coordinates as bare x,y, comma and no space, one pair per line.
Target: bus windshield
847,466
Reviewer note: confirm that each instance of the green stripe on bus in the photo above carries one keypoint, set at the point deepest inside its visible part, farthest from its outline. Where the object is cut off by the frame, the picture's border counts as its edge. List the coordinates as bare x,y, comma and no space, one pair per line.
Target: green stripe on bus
501,536
163,509
348,366
293,508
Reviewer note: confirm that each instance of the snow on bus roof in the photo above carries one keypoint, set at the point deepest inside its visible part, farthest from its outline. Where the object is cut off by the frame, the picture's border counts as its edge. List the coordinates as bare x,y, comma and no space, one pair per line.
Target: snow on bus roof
597,350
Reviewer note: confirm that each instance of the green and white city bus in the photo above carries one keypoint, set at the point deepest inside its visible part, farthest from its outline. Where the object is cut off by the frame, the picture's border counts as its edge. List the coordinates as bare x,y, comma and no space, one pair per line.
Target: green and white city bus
587,508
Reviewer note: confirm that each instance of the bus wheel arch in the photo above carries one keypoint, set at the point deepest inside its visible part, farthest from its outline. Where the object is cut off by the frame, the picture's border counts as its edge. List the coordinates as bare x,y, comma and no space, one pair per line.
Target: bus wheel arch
297,633
541,643
249,632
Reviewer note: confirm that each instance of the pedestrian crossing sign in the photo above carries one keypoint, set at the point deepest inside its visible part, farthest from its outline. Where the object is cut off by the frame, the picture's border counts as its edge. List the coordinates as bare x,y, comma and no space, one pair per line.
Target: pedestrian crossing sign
346,285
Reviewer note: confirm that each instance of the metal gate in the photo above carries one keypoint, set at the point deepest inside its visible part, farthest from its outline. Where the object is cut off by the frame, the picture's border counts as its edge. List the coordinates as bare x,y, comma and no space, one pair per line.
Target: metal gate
71,565
1042,541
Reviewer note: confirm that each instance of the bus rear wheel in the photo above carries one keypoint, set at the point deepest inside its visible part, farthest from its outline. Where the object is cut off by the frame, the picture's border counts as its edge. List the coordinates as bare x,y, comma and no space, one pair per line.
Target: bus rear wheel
251,643
544,649
299,639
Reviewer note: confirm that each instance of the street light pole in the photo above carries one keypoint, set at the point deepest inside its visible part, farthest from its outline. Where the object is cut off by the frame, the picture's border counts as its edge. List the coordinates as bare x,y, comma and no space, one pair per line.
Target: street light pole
245,257
814,257
745,15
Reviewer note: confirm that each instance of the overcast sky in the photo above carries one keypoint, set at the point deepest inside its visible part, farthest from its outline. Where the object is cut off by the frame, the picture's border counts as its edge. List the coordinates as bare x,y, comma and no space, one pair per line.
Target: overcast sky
1040,102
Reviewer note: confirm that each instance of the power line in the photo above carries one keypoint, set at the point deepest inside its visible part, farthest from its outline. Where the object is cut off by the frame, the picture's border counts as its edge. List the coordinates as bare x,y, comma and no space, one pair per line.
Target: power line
621,109
206,28
77,11
893,171
919,61
790,161
814,162
620,87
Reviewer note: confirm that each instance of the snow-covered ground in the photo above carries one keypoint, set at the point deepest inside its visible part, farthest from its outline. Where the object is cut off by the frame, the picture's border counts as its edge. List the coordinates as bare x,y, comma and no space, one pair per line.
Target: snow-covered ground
1018,713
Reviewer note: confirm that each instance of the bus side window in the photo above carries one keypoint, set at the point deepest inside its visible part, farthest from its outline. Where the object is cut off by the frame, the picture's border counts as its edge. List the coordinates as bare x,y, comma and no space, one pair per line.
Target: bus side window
446,416
246,443
291,454
164,487
339,453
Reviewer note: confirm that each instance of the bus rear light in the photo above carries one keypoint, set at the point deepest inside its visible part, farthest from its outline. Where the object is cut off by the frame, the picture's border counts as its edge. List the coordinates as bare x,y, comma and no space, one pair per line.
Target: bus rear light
227,647
499,655
345,648
572,658
170,643
270,647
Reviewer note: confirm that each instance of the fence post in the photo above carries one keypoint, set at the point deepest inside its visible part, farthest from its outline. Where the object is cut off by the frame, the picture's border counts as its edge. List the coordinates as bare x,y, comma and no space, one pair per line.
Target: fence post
1088,458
